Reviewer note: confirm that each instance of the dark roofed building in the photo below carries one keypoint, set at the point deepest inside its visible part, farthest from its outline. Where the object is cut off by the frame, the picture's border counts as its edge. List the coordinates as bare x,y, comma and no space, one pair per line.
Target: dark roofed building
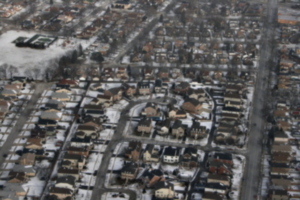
145,126
129,171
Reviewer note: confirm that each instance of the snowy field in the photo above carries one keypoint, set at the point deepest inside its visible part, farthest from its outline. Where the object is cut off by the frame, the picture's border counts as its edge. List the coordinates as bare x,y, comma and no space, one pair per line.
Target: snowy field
28,58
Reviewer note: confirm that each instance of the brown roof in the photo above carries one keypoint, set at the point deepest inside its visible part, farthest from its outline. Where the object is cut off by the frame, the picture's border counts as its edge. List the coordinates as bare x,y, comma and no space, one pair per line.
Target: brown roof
17,175
34,141
61,190
281,148
28,156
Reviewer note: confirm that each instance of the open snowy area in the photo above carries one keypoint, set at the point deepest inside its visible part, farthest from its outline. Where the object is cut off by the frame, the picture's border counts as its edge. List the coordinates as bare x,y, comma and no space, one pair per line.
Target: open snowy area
29,58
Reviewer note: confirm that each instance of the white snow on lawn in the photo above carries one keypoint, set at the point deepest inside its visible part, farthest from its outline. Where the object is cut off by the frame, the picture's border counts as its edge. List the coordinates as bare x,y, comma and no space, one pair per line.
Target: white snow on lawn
94,162
34,187
116,163
83,194
238,170
114,196
113,115
106,134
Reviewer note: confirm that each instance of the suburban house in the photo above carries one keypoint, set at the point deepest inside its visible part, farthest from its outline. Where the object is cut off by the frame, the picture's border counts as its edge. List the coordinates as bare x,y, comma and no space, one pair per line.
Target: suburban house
114,93
158,86
232,97
152,176
89,128
164,190
79,142
171,155
64,90
280,137
129,171
216,187
51,114
215,167
151,154
144,88
9,93
196,94
192,106
27,159
121,72
101,98
151,110
281,157
34,143
281,148
148,73
61,193
71,83
225,158
197,131
17,177
63,172
60,96
189,158
211,196
282,182
93,107
178,129
4,108
121,5
67,182
73,161
144,126
227,132
163,73
55,104
27,169
133,151
83,151
280,170
129,90
176,113
276,194
216,178
163,127
181,88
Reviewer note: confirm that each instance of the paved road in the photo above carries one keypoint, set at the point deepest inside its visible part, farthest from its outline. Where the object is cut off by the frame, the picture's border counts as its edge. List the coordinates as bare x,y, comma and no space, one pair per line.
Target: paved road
24,115
250,186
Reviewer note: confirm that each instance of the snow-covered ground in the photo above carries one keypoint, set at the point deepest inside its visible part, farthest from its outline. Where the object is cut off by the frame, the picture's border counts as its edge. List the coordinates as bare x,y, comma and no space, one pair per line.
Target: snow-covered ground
34,187
238,170
27,59
114,196
116,163
93,162
113,115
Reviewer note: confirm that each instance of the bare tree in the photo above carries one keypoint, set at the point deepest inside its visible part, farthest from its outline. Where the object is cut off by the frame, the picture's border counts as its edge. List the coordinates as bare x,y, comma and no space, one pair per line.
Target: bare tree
36,72
12,70
3,70
28,73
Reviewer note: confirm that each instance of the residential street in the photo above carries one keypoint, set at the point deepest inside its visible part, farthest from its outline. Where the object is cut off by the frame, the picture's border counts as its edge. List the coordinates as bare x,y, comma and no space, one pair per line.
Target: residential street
250,185
22,119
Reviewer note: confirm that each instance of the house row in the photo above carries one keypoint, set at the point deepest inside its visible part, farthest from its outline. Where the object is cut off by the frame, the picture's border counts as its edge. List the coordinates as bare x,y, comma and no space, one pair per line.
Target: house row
155,179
